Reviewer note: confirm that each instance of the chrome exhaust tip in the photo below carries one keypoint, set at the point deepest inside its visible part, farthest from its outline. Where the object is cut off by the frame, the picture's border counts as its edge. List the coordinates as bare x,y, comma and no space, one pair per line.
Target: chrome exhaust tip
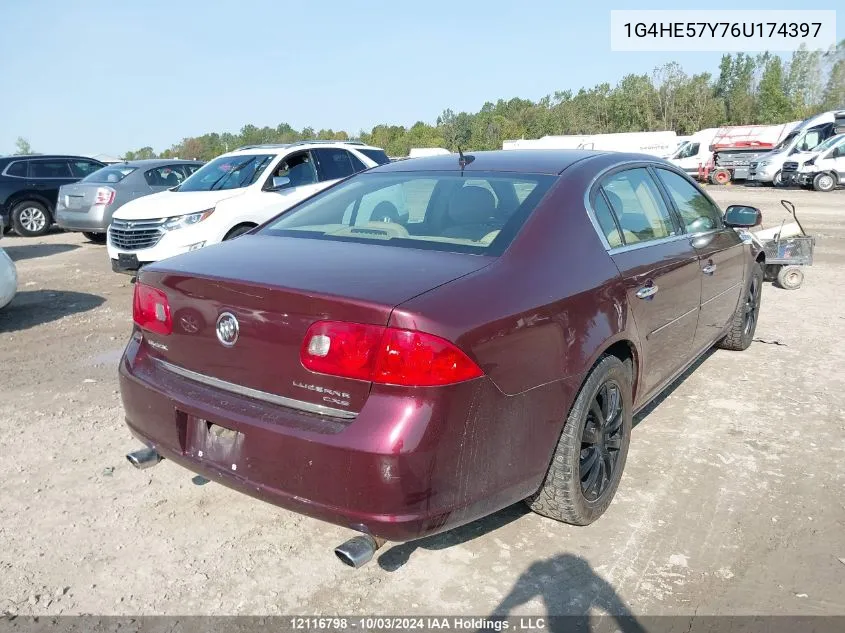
144,458
358,551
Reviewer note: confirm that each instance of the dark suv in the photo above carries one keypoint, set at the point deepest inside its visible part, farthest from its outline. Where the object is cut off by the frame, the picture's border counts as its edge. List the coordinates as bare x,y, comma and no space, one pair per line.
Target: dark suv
29,186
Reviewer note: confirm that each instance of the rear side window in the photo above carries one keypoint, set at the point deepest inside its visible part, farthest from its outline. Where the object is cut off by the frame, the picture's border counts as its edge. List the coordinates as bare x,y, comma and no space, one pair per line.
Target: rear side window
427,210
49,169
333,163
697,212
109,174
18,168
607,223
640,211
81,168
357,165
378,155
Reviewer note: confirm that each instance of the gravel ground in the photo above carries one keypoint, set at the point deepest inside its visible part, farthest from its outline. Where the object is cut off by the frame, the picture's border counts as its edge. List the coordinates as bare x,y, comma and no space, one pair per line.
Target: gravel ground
731,503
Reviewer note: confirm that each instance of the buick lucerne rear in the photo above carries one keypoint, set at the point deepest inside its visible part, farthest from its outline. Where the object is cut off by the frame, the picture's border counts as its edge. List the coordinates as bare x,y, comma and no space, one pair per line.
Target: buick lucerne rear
408,350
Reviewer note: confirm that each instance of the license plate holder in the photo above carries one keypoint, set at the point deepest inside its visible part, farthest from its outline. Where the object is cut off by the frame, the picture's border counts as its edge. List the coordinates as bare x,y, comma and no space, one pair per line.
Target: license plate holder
214,443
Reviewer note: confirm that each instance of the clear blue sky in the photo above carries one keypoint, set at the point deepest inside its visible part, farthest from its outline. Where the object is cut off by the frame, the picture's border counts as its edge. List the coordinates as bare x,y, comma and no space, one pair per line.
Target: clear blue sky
108,76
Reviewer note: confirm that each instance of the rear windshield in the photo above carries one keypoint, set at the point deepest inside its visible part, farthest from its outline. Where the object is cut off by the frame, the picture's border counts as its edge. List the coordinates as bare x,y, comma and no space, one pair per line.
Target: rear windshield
109,174
377,155
227,172
478,213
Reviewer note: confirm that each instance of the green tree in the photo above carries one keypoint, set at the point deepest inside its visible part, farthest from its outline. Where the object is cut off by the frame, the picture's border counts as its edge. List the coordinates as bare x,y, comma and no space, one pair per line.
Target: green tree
773,104
22,146
803,83
834,91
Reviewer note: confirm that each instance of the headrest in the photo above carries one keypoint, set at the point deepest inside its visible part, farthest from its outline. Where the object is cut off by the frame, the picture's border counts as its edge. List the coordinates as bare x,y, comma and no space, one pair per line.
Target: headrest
472,205
385,211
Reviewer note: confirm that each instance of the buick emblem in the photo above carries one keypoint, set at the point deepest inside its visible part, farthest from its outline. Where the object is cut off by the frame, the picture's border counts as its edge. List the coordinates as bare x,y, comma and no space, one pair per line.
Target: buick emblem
227,329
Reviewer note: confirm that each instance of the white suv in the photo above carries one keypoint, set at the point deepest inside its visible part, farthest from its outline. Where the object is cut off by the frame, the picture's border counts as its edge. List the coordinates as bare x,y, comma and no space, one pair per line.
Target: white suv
229,196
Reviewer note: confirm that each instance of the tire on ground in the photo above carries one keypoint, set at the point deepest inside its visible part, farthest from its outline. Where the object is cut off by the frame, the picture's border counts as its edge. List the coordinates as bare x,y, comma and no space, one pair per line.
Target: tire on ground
790,277
560,496
97,238
739,337
28,205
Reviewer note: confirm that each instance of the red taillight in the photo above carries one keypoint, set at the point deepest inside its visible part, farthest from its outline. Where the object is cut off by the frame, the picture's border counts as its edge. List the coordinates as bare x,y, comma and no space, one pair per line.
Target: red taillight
151,310
384,355
105,195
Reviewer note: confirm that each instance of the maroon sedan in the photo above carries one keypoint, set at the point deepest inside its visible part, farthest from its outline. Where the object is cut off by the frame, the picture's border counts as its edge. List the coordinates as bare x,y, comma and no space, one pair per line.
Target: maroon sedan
432,340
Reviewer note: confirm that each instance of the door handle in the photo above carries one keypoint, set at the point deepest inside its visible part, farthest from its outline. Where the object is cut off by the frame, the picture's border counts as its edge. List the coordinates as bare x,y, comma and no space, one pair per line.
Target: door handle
647,291
709,269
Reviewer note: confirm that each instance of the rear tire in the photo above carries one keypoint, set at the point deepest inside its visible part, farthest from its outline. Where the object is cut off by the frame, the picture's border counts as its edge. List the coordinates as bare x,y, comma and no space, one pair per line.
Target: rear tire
239,230
744,321
97,238
790,277
578,488
824,182
31,219
720,176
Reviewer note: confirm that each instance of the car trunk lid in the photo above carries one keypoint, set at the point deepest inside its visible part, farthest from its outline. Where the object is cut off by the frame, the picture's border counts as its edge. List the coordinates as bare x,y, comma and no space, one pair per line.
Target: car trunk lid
276,288
80,196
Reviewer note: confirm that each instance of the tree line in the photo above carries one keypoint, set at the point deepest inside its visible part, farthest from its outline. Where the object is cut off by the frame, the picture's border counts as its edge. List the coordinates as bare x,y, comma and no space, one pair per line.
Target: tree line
747,89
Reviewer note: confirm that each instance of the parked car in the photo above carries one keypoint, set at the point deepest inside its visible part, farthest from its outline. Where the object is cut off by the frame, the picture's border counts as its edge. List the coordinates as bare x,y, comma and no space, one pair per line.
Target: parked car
29,186
403,371
229,196
88,205
824,169
8,275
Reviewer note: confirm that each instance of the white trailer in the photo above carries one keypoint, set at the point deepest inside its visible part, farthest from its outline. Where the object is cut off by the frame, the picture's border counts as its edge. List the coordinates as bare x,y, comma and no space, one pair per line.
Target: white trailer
654,143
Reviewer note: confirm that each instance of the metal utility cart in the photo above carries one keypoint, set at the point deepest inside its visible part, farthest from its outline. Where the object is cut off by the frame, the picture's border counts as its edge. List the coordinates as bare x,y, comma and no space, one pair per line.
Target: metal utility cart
786,256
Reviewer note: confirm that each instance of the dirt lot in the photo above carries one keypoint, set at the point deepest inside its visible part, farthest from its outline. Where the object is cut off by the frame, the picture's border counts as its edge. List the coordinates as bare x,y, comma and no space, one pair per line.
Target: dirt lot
732,501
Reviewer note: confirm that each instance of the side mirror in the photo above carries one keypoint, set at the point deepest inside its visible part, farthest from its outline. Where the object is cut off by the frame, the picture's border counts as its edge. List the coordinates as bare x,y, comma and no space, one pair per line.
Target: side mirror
742,217
279,182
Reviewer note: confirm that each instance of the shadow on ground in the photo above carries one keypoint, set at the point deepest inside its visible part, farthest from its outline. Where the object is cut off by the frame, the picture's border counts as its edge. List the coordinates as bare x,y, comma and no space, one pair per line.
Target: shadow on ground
573,595
21,250
35,307
398,555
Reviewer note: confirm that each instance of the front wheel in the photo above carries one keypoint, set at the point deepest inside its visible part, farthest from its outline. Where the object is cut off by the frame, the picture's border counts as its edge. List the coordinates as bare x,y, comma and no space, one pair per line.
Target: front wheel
777,179
97,238
824,182
591,452
30,219
744,320
238,231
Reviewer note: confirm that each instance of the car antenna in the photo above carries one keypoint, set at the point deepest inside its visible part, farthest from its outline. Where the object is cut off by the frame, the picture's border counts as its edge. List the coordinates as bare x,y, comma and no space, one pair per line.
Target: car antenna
463,161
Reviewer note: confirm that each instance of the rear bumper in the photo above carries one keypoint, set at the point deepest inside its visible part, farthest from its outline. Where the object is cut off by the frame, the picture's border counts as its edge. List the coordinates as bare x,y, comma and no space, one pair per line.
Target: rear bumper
405,467
95,219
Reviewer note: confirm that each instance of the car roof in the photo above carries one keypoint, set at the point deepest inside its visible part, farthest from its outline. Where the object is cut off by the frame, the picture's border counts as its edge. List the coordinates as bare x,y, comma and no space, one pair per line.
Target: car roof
12,157
155,162
284,148
534,161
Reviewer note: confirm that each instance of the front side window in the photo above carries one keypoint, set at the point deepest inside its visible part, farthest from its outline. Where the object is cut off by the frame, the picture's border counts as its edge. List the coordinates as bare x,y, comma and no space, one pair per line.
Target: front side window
298,168
112,174
164,176
228,172
49,169
18,168
690,150
641,213
430,210
697,212
333,163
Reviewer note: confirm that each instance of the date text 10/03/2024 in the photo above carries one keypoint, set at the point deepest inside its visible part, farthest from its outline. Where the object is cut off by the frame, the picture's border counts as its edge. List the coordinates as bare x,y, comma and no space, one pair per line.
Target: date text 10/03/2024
458,623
